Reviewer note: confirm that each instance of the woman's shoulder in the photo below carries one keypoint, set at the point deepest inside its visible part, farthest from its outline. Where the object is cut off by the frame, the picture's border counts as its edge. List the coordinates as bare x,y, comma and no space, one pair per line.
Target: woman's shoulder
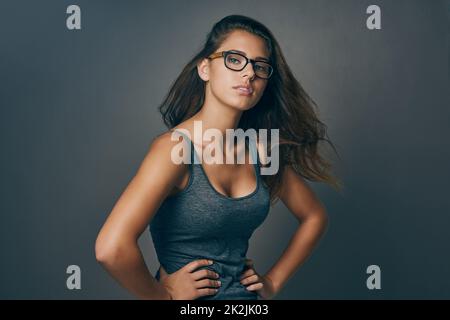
162,142
160,151
263,148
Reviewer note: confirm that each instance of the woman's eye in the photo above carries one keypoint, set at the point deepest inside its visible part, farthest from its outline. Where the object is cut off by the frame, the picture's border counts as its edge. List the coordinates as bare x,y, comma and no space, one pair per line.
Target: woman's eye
233,60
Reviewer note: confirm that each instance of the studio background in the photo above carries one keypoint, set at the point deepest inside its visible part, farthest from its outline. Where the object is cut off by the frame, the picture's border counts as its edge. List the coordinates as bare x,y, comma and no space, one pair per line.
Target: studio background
79,111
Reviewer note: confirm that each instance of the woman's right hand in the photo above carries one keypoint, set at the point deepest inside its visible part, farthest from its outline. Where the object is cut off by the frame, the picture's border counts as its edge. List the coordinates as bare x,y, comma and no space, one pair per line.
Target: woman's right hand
188,284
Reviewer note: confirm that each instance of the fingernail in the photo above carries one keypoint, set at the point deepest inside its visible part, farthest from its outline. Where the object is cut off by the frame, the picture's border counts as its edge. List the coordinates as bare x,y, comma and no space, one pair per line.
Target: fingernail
220,283
211,262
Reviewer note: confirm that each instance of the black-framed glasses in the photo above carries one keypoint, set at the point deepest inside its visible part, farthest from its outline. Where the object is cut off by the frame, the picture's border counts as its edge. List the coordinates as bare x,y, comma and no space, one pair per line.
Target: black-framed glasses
237,62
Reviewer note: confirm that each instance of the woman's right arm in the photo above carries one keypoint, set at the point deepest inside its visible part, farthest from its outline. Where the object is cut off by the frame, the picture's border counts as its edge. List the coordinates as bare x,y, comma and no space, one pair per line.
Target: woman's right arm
116,247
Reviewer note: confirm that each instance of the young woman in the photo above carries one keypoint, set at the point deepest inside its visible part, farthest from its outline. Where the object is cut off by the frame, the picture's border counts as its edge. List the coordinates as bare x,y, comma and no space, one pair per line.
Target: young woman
202,215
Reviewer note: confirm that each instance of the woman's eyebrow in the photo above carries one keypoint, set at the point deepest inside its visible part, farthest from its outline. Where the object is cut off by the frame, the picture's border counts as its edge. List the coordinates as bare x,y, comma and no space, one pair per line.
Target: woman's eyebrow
242,52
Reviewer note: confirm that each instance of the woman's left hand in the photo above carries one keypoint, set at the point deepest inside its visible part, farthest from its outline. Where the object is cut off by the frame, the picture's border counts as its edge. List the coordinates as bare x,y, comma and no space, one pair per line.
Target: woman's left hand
261,284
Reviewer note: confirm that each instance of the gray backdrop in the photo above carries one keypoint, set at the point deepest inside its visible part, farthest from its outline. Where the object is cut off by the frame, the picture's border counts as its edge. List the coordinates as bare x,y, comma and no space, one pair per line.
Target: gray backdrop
79,109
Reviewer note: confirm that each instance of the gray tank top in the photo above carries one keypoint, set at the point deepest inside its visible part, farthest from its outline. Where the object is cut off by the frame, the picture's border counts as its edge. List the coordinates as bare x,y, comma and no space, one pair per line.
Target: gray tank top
199,222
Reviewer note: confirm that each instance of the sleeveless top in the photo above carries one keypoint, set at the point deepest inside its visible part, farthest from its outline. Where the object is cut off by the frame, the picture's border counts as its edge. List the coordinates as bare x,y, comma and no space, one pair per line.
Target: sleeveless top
199,222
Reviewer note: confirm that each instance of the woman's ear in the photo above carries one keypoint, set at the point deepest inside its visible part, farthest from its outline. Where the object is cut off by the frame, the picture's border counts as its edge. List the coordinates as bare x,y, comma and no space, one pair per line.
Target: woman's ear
203,69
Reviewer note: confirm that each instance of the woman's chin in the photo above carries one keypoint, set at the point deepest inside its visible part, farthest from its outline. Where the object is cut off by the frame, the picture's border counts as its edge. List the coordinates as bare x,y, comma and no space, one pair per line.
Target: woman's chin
243,105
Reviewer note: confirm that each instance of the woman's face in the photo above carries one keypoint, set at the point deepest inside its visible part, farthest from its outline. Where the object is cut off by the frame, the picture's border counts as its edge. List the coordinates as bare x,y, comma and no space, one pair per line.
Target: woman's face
221,80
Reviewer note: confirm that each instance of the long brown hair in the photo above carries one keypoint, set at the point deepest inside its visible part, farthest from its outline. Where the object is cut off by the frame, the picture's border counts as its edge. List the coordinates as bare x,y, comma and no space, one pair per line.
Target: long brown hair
284,105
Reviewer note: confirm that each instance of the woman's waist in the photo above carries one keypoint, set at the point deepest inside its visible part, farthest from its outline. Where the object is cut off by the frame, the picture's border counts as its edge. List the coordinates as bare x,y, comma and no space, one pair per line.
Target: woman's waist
229,268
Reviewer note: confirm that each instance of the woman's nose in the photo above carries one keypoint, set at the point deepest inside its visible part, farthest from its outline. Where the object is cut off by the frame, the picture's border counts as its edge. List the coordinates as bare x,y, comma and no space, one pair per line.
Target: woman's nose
248,70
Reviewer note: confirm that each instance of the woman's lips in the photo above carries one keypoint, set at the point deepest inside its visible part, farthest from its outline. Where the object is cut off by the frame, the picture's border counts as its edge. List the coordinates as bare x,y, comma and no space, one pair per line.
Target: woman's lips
244,91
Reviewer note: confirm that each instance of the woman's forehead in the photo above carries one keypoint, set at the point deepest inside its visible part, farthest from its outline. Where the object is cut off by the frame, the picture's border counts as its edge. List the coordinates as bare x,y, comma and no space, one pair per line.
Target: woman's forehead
249,44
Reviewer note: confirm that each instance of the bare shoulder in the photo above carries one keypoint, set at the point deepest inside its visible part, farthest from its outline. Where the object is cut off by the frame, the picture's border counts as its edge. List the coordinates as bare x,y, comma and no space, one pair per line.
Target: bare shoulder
297,195
162,143
263,153
291,180
159,156
159,153
154,180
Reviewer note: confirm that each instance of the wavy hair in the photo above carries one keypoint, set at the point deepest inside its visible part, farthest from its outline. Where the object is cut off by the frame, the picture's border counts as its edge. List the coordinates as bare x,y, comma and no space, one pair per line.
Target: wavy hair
284,105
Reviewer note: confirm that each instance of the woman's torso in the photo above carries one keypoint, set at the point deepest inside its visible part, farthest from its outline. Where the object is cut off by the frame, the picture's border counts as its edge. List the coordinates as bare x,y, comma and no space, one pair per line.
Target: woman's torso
202,222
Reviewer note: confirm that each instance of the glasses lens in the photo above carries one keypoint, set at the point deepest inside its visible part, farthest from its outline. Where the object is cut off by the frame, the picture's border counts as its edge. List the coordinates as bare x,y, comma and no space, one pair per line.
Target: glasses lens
263,70
235,61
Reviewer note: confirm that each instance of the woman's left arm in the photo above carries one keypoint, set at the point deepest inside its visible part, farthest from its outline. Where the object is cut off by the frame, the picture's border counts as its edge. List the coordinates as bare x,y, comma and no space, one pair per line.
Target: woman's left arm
311,214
